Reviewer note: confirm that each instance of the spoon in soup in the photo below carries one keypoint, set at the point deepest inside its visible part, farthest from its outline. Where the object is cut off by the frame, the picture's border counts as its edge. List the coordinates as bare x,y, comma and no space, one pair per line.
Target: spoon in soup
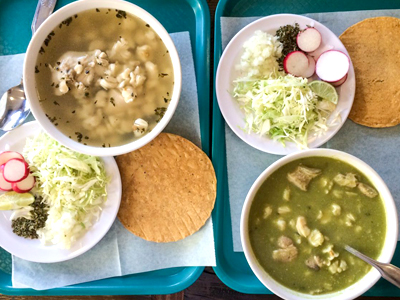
388,271
14,108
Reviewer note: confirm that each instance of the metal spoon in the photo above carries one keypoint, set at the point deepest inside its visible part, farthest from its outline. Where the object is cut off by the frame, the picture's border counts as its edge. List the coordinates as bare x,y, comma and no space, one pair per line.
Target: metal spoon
388,271
14,108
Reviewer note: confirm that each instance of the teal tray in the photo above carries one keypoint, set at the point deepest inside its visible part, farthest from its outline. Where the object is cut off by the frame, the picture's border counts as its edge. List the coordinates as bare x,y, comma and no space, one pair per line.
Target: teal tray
175,16
232,267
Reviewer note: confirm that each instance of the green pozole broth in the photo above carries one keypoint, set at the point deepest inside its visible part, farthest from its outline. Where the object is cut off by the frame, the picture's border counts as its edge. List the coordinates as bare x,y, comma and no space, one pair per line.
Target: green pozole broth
336,210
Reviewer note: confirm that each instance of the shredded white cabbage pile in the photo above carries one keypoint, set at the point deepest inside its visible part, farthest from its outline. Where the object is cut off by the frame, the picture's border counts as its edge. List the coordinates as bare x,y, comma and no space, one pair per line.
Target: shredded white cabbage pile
260,54
72,184
284,108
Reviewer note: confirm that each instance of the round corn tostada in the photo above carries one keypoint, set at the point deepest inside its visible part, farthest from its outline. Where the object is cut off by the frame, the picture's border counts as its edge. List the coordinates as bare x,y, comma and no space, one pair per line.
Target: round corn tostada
374,47
168,189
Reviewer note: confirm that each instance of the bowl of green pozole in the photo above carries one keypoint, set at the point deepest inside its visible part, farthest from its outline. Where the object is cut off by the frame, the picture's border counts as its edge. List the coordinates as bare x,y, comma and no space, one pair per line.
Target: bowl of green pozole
301,212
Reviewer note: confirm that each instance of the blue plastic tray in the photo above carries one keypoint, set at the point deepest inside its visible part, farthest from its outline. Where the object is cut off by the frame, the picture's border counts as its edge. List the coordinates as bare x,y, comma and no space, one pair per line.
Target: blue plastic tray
232,267
175,16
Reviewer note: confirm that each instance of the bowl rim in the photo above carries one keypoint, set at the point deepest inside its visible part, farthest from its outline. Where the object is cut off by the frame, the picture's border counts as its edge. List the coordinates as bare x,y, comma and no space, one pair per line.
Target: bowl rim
390,242
29,79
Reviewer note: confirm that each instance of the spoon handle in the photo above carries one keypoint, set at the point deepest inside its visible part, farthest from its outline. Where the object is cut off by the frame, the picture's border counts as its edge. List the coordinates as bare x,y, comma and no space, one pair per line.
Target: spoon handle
388,271
44,9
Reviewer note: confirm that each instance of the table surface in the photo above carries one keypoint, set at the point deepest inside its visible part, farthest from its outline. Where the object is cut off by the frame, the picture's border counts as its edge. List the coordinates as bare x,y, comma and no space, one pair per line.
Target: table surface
208,286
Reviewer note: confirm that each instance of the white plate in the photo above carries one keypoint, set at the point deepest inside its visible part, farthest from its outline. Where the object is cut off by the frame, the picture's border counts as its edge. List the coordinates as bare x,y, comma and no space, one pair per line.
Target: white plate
33,250
226,74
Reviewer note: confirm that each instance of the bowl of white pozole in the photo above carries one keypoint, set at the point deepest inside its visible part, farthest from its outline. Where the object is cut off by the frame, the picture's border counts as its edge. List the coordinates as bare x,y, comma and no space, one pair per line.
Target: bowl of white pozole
102,77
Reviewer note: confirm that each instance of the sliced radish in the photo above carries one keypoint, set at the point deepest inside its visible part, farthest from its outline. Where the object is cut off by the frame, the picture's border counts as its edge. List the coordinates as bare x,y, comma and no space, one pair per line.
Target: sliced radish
295,63
320,50
332,65
311,67
309,39
7,155
24,185
15,170
339,82
4,185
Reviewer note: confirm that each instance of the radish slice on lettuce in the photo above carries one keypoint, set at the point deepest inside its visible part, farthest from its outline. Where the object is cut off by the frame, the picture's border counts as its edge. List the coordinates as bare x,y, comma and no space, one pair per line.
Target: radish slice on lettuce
311,67
296,63
332,66
339,82
24,185
309,39
7,155
15,170
4,185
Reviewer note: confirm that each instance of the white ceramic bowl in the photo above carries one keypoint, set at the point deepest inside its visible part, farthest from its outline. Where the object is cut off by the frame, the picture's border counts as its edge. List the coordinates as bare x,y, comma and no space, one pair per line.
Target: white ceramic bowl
226,74
364,283
29,74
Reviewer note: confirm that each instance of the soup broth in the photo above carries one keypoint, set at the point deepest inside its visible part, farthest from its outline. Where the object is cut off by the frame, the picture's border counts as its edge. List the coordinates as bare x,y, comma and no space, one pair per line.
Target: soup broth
304,214
104,77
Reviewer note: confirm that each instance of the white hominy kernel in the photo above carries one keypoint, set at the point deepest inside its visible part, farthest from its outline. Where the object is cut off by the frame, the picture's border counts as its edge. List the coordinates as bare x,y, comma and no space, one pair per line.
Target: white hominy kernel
284,210
281,224
139,127
267,212
78,69
301,226
63,87
122,84
286,194
336,209
316,238
292,224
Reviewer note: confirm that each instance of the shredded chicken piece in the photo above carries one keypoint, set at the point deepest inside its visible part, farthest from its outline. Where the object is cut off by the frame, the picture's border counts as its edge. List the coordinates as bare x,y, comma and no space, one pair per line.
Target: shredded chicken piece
285,255
367,190
302,176
349,180
284,242
314,262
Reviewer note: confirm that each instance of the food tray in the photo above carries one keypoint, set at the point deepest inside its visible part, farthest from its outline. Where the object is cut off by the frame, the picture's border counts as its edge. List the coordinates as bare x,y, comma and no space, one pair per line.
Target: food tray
175,16
232,267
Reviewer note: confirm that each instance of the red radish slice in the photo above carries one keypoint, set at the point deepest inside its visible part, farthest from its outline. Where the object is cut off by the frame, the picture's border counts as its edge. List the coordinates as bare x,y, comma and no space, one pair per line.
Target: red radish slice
24,185
4,185
15,170
340,82
332,65
323,48
311,67
7,155
295,63
309,40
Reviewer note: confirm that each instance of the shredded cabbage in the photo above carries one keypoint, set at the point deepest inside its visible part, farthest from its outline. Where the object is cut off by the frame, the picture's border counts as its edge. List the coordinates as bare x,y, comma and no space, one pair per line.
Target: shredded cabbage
72,184
284,108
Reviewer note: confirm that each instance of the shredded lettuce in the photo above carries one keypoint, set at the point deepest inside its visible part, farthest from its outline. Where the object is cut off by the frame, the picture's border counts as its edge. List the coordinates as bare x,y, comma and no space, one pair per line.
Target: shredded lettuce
281,107
71,183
